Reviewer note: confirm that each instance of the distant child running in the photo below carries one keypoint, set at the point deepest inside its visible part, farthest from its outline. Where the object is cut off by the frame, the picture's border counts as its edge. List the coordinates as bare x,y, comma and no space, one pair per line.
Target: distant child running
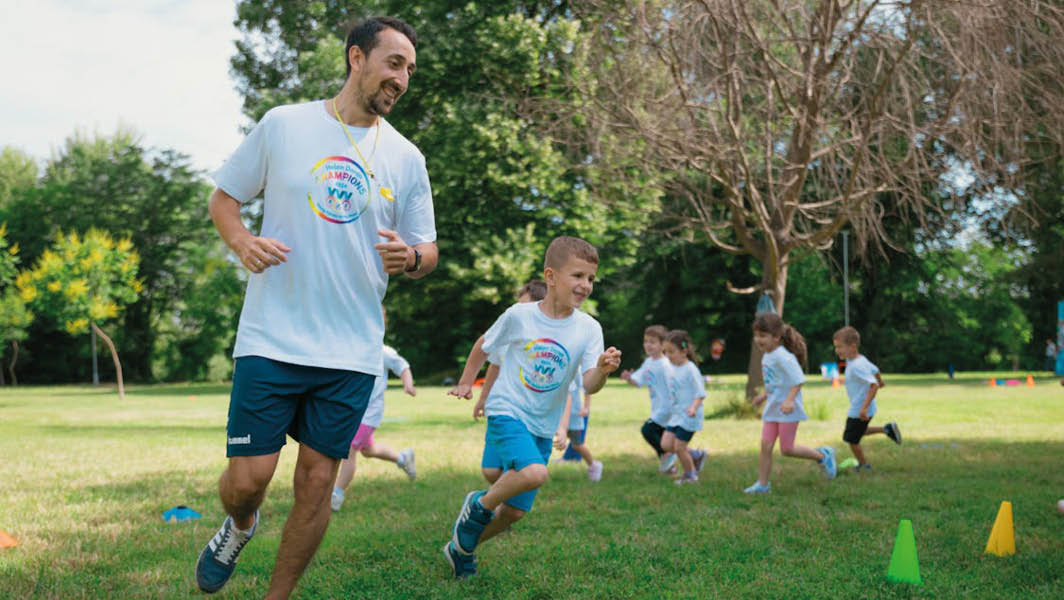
687,390
862,383
543,346
363,441
651,374
578,413
782,349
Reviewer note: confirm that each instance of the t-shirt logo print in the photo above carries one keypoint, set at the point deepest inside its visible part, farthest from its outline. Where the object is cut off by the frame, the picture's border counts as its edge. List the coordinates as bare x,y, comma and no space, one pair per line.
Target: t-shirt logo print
339,190
545,362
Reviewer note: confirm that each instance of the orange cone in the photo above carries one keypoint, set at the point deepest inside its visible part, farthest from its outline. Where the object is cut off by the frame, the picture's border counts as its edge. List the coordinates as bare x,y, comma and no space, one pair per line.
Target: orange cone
1030,380
993,383
835,383
6,541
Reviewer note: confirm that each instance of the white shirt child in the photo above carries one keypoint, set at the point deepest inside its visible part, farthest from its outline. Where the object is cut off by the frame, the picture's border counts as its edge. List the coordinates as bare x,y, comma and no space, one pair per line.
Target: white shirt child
375,409
685,384
653,374
781,372
860,375
540,357
321,308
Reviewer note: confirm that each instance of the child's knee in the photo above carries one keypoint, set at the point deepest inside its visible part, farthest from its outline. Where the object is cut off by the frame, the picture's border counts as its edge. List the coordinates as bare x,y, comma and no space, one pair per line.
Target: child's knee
787,449
509,514
367,451
534,475
492,475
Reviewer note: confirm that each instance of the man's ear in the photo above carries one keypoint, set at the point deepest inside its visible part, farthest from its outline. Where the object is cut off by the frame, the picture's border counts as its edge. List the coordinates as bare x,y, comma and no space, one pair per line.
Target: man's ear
356,58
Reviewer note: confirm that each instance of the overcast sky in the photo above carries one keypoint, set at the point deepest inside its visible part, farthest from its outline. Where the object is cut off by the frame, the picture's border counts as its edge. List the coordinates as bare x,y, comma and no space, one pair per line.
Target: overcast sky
160,66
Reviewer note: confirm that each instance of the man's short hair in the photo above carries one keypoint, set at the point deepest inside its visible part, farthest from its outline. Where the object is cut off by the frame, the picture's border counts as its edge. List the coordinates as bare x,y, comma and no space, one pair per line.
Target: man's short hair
364,35
848,335
563,247
536,290
656,331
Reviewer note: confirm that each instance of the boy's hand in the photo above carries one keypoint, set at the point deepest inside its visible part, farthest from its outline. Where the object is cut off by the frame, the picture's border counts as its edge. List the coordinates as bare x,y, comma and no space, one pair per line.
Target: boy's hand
410,389
560,437
626,375
690,411
610,360
864,414
879,381
787,407
478,409
585,411
462,390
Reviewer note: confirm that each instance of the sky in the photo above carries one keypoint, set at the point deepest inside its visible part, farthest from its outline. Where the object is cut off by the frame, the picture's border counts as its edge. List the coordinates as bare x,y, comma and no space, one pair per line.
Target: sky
158,66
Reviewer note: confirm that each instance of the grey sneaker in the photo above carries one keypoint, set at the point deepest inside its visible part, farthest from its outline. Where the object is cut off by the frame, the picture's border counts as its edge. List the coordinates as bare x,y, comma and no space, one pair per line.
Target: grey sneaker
685,480
462,565
893,432
406,463
667,462
337,499
218,560
757,488
828,462
594,471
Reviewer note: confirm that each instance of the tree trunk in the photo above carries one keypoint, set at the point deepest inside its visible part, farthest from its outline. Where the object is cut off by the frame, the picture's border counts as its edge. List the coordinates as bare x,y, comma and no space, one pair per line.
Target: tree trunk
777,288
114,356
14,359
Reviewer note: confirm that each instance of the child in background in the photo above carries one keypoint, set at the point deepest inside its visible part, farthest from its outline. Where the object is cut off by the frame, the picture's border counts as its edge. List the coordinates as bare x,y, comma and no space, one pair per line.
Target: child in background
544,345
782,350
363,441
687,389
862,383
652,374
578,413
490,465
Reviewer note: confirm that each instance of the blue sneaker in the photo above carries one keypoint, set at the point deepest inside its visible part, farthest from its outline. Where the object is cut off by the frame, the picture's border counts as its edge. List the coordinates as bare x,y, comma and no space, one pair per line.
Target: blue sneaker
471,521
463,565
828,462
218,560
757,488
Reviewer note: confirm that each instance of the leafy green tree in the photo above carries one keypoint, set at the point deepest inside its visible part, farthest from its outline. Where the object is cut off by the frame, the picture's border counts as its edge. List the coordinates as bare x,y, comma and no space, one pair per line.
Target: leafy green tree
83,281
18,173
14,316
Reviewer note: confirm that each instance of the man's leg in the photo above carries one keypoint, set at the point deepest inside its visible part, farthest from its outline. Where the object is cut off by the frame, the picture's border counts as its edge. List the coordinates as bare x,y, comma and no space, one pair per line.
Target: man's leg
242,486
306,524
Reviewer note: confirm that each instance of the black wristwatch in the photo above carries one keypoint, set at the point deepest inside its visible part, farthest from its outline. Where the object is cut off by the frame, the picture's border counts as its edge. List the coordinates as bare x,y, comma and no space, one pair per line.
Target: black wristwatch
417,262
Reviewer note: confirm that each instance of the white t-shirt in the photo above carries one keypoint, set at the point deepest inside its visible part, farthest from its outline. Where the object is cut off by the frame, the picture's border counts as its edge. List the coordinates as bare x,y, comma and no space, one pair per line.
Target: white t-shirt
540,357
860,375
375,409
321,308
1051,350
781,372
686,383
576,390
652,374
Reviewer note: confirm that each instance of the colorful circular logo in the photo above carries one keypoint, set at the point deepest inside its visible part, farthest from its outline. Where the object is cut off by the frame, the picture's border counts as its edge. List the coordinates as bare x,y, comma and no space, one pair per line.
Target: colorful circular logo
341,190
544,366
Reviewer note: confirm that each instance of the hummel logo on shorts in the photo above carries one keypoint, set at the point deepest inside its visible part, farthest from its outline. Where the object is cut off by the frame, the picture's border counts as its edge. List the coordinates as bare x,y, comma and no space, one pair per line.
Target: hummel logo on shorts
246,439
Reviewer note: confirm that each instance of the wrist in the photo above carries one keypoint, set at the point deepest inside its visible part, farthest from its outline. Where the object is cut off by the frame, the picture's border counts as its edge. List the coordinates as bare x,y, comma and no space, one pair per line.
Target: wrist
413,259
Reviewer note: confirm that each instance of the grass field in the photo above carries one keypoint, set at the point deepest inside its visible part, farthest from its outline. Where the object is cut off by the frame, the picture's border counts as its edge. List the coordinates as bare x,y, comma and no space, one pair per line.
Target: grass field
84,479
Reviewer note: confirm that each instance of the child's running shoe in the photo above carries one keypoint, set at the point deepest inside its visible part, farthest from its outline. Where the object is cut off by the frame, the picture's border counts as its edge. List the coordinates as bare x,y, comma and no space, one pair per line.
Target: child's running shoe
892,431
758,488
699,458
667,462
406,463
865,468
594,471
471,521
218,560
828,462
337,499
463,565
687,479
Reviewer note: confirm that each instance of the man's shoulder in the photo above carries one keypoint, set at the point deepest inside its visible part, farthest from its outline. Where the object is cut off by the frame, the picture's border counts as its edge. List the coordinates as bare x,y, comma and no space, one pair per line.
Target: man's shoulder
286,112
400,144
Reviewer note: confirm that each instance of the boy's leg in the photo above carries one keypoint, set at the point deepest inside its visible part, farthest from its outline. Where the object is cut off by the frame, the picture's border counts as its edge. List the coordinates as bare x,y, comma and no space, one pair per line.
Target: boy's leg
668,441
505,517
512,483
684,454
580,448
858,453
652,433
490,475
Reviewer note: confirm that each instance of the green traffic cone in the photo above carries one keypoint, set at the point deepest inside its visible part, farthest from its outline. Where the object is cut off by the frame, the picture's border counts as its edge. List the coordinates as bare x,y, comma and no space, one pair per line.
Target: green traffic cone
904,568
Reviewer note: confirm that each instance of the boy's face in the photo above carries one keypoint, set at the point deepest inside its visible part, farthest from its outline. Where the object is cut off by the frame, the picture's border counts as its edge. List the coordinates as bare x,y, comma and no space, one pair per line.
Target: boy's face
675,354
652,346
765,341
844,350
572,282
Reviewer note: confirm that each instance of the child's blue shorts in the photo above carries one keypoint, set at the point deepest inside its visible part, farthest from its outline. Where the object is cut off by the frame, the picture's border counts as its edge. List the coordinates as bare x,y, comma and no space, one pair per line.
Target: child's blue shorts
508,445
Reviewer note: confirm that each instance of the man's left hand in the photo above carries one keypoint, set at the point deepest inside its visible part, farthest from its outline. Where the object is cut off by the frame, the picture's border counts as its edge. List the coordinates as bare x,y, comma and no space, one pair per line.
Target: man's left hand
395,254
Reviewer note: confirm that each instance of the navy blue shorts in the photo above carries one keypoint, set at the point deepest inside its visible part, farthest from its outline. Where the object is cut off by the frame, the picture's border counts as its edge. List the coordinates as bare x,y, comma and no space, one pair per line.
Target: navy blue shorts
681,434
319,407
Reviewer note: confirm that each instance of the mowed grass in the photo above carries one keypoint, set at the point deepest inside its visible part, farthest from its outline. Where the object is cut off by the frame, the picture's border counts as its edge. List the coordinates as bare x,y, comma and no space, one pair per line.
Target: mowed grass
84,479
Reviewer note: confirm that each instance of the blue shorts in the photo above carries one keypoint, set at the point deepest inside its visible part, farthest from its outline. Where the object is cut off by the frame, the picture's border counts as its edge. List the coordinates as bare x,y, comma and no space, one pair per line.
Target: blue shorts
577,423
319,407
510,446
681,434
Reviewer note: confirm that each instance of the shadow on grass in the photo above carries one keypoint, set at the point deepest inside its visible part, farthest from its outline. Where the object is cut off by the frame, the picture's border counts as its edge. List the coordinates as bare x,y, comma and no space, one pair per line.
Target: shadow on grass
132,429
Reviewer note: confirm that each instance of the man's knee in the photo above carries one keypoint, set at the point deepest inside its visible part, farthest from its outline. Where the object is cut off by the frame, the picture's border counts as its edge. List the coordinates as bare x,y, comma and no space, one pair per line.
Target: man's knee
534,475
247,477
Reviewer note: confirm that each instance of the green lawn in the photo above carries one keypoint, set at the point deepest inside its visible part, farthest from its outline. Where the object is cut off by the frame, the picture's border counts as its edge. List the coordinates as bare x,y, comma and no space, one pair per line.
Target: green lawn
84,479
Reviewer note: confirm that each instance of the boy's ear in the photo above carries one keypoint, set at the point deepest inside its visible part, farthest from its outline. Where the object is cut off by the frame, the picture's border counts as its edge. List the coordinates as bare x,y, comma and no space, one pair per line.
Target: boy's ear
548,277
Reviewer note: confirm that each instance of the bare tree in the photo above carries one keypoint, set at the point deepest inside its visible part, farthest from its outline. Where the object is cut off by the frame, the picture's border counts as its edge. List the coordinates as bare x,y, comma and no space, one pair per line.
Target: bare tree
773,124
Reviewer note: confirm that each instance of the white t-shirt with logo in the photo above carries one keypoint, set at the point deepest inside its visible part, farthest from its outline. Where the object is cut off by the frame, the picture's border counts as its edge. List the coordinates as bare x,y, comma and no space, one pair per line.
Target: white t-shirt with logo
321,308
540,357
686,383
860,375
781,372
652,374
576,390
375,409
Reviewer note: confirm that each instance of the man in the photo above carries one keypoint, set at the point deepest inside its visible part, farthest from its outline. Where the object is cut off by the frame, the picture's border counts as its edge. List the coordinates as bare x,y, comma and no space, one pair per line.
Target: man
347,203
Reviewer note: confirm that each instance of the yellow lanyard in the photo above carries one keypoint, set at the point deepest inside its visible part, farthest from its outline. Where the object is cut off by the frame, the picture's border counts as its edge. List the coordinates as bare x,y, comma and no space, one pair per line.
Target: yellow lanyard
369,168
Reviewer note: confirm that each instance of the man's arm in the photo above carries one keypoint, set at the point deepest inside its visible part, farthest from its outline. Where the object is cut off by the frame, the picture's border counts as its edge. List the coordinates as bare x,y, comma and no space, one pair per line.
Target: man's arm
397,256
256,253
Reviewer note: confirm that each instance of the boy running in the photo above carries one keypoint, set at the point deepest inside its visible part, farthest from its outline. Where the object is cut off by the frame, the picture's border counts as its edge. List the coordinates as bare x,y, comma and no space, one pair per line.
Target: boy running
862,383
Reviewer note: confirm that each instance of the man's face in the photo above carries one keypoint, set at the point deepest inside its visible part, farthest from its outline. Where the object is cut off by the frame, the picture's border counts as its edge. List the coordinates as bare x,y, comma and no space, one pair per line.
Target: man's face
652,346
384,75
573,281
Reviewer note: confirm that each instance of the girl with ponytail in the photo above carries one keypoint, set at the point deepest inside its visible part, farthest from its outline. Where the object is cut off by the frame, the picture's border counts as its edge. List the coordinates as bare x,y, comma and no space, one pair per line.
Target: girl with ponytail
687,390
782,348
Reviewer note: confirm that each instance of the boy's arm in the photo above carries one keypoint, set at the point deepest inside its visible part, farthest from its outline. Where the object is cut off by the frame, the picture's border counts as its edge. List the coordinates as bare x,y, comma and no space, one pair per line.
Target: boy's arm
464,388
407,377
879,380
585,409
691,410
872,389
563,427
489,380
595,377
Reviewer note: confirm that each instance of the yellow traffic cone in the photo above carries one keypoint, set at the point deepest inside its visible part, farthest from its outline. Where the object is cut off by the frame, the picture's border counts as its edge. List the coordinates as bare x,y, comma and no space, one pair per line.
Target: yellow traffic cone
1002,540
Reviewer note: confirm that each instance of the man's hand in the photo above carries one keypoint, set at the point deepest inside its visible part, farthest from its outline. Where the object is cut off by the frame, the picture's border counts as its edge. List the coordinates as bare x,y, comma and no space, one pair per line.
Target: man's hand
260,253
610,360
462,390
478,409
395,254
560,437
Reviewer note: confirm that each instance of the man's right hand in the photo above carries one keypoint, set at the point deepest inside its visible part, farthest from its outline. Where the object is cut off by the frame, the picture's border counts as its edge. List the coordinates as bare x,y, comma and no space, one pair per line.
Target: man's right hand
260,253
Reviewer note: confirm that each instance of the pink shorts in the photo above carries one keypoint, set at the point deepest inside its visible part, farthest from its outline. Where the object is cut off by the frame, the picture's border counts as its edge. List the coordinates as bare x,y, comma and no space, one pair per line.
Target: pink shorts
364,437
786,432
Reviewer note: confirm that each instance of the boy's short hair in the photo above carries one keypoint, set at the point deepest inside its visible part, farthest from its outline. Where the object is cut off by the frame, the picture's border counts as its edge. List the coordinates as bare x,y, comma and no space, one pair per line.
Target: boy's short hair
656,331
848,335
536,289
564,246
